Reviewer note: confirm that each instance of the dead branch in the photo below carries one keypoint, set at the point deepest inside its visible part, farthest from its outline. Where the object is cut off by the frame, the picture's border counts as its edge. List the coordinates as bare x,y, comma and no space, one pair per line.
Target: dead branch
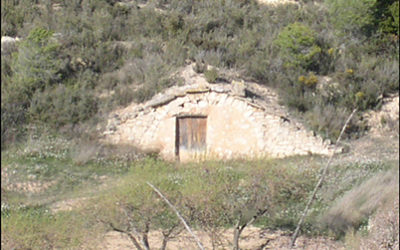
312,197
132,228
169,234
178,214
130,235
145,234
264,245
239,228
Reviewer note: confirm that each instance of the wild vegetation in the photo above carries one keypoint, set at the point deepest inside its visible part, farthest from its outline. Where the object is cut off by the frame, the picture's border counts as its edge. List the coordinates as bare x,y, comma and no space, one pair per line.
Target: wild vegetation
79,59
211,196
76,60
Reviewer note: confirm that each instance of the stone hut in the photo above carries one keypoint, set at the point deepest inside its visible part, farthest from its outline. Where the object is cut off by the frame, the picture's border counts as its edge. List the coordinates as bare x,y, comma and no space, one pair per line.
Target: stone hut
214,121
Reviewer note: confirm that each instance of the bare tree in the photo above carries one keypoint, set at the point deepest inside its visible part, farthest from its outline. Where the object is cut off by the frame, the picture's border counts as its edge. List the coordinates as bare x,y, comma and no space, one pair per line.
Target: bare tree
179,216
240,227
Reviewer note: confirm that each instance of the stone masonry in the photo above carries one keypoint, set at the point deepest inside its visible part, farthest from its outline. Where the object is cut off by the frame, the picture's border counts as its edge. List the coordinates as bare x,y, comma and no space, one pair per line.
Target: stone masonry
244,120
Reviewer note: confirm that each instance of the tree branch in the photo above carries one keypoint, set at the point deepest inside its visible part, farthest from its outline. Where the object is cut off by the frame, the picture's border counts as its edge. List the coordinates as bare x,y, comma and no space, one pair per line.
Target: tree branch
239,229
179,216
130,235
312,197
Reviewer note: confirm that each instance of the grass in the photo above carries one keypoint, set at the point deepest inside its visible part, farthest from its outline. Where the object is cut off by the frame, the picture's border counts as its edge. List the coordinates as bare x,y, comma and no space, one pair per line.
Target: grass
210,195
52,162
37,228
353,208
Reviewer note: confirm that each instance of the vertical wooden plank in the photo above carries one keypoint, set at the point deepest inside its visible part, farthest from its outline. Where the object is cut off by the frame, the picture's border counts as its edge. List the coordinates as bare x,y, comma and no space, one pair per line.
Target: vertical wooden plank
177,138
183,133
191,133
203,136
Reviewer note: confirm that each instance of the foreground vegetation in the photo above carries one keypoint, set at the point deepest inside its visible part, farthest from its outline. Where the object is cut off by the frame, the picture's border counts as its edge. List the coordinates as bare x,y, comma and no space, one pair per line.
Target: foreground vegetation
211,196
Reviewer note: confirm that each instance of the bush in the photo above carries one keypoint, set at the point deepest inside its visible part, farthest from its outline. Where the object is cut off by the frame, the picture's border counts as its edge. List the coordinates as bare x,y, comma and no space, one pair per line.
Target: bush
309,81
37,228
328,121
210,196
352,16
298,46
356,205
13,119
387,16
365,17
62,105
394,11
134,208
35,66
211,75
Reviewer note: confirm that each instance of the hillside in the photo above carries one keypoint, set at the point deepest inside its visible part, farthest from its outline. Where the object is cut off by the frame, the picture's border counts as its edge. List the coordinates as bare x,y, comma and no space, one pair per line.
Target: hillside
73,63
83,83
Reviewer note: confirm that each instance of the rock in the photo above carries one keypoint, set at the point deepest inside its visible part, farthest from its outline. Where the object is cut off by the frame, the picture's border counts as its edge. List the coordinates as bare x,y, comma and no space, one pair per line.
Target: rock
161,100
8,44
220,89
9,39
198,90
238,88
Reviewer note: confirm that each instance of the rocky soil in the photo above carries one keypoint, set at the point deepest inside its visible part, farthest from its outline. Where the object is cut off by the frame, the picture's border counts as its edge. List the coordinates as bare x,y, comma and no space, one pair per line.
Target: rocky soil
252,238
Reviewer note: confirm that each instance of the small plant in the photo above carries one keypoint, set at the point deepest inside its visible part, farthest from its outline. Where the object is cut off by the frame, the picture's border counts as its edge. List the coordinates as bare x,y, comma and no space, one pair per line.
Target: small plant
200,67
211,75
310,81
331,51
359,96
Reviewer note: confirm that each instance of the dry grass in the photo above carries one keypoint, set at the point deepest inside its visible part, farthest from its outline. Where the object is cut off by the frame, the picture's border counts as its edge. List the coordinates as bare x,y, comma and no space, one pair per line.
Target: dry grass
86,151
358,204
384,228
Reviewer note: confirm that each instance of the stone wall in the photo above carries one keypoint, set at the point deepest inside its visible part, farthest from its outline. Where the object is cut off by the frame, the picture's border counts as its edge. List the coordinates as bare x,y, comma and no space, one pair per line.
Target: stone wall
237,127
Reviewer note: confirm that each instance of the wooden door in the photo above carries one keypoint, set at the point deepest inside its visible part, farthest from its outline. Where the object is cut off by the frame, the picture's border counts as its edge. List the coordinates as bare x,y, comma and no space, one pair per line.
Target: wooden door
191,133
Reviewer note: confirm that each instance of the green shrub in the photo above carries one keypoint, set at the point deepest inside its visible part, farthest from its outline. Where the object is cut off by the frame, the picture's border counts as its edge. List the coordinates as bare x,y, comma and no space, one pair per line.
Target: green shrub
298,46
62,105
387,16
37,228
13,119
36,65
394,11
353,16
174,23
365,16
211,75
328,120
